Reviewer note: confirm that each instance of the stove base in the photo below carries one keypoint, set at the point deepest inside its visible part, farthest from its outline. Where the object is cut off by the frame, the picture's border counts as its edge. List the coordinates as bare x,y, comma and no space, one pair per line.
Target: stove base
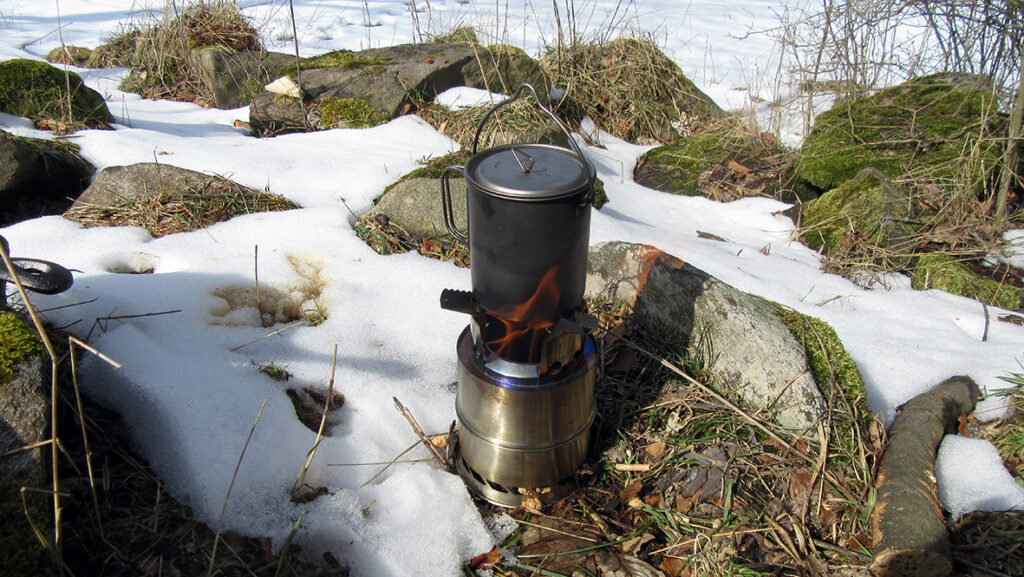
509,497
523,433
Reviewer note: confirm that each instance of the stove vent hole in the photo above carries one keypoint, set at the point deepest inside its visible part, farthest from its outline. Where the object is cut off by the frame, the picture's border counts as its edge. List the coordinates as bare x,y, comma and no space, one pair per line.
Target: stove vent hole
476,475
479,479
497,487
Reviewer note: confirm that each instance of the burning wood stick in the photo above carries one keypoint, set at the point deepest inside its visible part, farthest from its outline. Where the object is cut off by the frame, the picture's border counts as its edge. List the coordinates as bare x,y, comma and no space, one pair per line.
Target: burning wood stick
909,530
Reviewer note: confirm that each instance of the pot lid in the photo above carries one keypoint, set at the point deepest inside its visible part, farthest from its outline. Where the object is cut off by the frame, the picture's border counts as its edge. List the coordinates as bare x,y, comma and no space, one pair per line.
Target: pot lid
528,172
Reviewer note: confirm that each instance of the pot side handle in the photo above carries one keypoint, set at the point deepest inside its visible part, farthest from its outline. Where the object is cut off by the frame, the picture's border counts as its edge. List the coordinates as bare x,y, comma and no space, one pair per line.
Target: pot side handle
446,203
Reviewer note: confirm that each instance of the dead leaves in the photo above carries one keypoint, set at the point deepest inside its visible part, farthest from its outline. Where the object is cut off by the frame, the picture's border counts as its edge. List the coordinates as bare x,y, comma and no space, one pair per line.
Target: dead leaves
554,548
485,560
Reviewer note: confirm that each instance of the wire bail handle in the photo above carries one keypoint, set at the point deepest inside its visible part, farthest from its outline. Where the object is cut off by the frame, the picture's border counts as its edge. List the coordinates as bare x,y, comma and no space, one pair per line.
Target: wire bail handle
572,142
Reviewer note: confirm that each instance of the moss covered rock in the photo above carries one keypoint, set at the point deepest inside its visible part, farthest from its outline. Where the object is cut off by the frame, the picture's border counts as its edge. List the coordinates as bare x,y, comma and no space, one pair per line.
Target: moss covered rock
337,112
718,166
73,55
39,177
38,91
830,363
944,272
18,341
866,219
918,128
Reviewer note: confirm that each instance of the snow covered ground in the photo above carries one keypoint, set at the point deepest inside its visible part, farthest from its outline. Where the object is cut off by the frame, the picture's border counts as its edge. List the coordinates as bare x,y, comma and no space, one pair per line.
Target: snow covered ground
191,396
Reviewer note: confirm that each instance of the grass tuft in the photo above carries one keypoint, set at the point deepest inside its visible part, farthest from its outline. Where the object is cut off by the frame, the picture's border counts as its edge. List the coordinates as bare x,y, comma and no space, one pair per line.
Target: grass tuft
214,201
162,55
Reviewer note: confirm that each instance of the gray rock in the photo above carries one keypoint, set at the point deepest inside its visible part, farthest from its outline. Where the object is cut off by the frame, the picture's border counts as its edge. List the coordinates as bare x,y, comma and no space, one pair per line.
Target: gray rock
408,72
20,161
38,177
25,420
753,353
138,182
234,78
415,205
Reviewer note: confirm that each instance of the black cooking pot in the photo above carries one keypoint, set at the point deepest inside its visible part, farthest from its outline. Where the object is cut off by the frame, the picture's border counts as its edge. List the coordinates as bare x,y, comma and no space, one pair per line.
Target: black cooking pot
528,224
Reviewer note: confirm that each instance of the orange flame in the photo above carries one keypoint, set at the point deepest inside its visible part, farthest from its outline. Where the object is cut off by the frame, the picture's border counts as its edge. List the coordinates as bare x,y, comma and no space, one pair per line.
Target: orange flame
525,324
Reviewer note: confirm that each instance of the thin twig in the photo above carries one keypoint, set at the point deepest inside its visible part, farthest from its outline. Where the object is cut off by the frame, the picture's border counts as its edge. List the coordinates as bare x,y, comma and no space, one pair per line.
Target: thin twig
842,550
40,536
231,485
268,335
72,342
388,465
320,432
31,446
93,350
379,463
256,282
419,433
139,316
69,306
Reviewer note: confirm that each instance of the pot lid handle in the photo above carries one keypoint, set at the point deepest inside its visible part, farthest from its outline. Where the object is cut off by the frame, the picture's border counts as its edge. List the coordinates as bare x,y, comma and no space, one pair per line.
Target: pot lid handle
572,142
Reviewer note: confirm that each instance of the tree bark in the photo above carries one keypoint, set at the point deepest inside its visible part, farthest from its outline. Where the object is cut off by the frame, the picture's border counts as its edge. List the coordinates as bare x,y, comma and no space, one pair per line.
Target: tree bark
908,525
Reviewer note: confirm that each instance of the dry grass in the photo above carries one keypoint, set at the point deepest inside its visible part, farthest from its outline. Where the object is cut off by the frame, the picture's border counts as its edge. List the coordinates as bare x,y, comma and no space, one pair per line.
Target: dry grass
162,55
689,487
630,89
216,200
521,121
386,237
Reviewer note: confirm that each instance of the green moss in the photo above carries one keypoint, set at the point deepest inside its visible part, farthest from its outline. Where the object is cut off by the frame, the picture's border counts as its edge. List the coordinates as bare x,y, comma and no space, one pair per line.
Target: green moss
374,70
836,374
861,210
18,341
919,126
943,272
349,113
683,166
341,59
600,196
435,166
21,553
39,91
74,55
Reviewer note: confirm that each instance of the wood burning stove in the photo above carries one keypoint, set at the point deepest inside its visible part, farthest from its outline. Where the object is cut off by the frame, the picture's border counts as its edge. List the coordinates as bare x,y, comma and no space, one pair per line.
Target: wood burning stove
527,360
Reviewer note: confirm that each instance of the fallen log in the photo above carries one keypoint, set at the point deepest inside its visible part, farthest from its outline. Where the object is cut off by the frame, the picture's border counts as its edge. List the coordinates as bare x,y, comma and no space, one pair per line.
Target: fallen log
908,525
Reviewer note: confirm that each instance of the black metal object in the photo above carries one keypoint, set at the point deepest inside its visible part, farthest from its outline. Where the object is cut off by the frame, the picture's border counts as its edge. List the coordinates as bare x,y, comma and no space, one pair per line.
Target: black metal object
39,276
528,209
